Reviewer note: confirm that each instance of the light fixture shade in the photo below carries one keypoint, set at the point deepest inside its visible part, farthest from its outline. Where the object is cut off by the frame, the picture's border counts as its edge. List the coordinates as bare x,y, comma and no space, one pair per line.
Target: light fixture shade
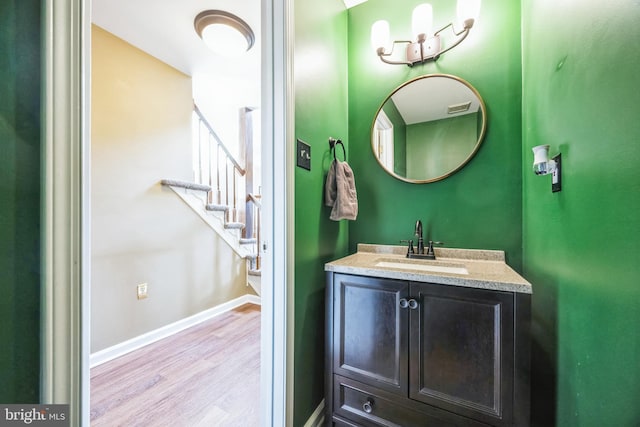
467,10
422,20
380,35
223,32
541,163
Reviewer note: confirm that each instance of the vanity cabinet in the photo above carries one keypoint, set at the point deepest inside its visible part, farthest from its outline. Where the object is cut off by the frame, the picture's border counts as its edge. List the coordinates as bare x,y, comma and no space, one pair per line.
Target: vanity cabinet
405,353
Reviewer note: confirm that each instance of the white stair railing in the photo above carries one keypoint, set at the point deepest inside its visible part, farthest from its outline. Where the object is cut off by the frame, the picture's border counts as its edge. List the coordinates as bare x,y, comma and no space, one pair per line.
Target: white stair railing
216,167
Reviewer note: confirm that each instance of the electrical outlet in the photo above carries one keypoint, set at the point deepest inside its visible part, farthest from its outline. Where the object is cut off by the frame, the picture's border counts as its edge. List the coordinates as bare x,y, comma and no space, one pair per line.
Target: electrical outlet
556,178
142,290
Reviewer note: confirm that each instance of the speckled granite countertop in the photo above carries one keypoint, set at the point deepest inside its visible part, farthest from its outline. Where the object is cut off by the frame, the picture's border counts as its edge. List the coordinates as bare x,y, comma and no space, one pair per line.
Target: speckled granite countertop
486,269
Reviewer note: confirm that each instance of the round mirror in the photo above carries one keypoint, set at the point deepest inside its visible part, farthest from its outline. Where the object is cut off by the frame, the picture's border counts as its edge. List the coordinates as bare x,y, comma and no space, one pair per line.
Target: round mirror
428,128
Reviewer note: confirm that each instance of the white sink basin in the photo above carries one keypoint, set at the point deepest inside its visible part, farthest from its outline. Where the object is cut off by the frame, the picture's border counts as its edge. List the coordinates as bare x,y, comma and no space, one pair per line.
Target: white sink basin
421,265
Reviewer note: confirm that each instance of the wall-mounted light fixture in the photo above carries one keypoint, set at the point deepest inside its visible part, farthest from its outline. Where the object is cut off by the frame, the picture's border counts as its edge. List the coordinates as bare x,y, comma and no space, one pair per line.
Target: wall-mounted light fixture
223,32
426,47
542,165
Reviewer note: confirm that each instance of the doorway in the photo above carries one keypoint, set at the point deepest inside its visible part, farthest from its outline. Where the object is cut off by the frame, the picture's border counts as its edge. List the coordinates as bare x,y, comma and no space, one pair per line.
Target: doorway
66,294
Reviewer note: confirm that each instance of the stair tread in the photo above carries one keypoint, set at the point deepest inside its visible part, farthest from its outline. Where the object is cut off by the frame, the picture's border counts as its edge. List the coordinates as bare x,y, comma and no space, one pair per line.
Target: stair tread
235,225
233,238
185,184
217,208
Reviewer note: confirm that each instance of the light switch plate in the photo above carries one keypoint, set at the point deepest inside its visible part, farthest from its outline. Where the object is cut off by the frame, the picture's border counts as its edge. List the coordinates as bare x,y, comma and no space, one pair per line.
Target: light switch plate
304,155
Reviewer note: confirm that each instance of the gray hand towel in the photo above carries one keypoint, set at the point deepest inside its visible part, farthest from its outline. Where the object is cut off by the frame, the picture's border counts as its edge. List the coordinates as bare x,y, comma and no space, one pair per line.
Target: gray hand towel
340,192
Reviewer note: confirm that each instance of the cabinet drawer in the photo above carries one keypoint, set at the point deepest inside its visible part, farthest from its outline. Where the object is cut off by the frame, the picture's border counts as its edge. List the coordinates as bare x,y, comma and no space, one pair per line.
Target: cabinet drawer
340,422
368,406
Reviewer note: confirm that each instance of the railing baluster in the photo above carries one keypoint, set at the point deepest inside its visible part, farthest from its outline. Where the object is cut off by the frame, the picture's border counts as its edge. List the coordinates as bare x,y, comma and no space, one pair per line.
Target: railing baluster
199,152
209,155
218,191
234,198
226,184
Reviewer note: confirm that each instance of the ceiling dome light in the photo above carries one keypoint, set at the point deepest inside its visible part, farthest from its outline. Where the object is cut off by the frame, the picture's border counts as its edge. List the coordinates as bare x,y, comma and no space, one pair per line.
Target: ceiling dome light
224,33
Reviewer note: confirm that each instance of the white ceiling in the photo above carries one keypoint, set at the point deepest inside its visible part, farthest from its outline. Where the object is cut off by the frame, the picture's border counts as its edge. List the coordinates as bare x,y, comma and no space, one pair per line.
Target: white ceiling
350,3
430,97
164,29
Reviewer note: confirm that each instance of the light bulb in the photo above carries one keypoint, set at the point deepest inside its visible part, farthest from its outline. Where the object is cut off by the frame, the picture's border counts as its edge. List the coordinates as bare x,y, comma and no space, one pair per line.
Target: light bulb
380,35
422,20
468,12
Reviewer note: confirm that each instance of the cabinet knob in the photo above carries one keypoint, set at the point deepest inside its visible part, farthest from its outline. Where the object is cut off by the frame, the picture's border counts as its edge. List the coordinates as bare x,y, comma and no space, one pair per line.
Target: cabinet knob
368,406
413,304
404,303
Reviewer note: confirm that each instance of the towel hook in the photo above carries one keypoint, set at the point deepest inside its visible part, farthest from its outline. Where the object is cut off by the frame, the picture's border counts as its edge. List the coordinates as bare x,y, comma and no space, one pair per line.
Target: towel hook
332,146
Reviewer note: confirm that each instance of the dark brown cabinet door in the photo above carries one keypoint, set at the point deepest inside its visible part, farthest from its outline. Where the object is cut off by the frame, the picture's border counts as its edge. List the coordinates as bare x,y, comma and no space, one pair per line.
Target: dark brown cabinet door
461,351
371,331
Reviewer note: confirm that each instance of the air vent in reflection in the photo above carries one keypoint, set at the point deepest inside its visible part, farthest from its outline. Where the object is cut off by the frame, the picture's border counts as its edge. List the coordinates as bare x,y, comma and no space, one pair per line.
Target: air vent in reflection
458,108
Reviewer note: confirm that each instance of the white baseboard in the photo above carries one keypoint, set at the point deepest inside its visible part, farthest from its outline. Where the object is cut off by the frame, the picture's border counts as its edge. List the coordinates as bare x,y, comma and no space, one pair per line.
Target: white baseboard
128,346
317,418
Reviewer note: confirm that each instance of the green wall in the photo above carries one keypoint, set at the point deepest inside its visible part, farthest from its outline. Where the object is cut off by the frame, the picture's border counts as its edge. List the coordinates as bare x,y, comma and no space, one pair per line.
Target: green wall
19,201
479,206
440,145
320,70
581,86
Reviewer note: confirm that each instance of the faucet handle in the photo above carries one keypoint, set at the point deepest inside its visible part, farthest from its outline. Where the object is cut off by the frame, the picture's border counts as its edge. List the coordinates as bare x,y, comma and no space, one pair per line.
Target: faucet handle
430,248
410,247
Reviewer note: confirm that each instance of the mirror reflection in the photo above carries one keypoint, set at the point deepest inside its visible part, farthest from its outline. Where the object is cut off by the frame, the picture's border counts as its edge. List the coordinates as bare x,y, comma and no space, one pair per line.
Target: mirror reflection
428,128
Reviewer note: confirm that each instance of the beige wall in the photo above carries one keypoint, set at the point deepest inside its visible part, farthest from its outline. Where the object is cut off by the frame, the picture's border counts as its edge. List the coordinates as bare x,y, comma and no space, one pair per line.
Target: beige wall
142,232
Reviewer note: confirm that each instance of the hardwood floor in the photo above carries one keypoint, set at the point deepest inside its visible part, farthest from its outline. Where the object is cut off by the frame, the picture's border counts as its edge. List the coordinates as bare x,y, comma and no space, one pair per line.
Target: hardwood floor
207,375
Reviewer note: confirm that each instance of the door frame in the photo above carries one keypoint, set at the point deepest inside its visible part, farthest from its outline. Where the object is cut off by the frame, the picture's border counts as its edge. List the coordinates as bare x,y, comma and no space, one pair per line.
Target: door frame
65,208
65,215
276,403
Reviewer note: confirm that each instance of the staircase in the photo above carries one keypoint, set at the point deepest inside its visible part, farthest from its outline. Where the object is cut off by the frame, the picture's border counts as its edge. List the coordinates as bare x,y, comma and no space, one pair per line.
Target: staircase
216,216
214,196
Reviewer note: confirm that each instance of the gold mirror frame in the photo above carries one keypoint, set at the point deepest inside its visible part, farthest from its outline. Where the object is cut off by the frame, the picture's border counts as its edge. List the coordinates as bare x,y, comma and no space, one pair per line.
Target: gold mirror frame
464,159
